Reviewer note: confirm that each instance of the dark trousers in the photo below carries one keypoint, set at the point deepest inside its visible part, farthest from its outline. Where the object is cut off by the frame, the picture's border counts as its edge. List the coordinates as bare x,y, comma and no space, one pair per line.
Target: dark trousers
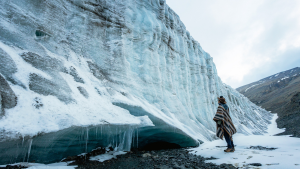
228,140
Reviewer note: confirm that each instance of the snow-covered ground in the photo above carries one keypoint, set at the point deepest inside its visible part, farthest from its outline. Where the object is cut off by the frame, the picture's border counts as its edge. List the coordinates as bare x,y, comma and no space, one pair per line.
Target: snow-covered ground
286,155
64,165
60,165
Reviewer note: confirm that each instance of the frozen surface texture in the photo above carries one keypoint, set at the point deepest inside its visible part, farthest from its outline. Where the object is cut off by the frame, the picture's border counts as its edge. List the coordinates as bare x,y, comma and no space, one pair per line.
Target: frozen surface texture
271,152
78,65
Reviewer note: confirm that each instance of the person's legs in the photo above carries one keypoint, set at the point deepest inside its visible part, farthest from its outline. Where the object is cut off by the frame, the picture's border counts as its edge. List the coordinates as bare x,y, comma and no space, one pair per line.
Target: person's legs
228,140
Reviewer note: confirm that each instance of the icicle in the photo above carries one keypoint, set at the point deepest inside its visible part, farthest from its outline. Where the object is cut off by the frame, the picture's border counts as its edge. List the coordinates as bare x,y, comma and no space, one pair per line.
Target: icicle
116,138
29,148
123,141
113,143
24,157
17,152
101,131
86,141
132,139
137,137
96,133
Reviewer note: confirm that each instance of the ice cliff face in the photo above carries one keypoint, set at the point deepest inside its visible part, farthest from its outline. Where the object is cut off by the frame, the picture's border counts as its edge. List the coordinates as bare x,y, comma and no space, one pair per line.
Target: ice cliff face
77,74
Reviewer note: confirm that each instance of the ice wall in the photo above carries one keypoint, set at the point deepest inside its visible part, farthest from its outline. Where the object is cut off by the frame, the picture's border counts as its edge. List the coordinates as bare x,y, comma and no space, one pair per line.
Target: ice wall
83,63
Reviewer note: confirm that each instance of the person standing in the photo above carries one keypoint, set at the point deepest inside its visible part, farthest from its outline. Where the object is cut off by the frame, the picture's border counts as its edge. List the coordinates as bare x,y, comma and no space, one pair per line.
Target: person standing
224,124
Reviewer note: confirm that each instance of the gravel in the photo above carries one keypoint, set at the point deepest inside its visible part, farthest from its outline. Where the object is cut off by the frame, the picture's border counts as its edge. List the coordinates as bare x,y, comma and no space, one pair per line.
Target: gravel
156,159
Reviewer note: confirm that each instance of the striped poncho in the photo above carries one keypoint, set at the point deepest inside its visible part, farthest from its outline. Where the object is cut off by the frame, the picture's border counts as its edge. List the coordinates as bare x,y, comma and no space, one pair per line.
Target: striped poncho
226,125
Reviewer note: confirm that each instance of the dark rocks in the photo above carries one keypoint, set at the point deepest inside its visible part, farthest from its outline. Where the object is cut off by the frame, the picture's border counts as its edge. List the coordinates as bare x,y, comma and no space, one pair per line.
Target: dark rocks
98,72
8,68
7,96
211,158
296,99
226,166
57,86
74,73
164,167
255,164
83,91
156,159
80,159
290,118
43,86
182,156
262,148
37,103
45,63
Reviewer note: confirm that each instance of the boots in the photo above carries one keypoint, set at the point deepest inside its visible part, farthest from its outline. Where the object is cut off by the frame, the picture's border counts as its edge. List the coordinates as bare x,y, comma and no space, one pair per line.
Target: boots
229,150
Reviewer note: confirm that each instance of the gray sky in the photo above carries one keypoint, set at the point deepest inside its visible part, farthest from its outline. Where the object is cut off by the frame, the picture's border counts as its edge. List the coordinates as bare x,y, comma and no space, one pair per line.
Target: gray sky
248,39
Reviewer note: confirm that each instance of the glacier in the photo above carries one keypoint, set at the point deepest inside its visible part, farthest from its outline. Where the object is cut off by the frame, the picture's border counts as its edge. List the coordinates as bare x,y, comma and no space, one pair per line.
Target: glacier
80,74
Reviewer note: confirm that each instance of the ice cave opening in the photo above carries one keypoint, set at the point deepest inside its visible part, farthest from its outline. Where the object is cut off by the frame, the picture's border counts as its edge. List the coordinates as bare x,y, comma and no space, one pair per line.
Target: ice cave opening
160,134
160,145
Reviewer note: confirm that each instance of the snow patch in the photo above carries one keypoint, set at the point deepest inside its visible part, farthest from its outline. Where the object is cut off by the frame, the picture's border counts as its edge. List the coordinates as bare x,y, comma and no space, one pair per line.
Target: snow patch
272,128
60,165
285,156
254,86
107,156
286,77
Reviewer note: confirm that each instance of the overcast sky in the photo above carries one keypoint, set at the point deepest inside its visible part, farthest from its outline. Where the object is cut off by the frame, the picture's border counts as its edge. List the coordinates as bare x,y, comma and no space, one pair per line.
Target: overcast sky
248,39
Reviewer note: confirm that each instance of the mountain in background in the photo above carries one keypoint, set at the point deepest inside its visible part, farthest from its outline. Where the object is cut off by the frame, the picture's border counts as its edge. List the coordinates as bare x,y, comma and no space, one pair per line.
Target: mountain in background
279,93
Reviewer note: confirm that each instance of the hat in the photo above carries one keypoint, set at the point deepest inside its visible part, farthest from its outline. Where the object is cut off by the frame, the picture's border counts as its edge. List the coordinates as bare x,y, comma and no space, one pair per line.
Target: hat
221,99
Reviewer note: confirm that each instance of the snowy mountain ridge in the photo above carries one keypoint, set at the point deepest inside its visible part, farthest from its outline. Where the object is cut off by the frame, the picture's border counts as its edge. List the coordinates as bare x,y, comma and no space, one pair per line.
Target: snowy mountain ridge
278,76
97,73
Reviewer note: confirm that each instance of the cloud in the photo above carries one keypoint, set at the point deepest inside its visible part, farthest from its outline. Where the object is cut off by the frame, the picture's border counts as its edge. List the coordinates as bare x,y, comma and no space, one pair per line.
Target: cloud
249,40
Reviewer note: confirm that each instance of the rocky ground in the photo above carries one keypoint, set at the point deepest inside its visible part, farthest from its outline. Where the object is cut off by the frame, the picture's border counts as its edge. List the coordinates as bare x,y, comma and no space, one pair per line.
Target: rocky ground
290,117
135,159
156,159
